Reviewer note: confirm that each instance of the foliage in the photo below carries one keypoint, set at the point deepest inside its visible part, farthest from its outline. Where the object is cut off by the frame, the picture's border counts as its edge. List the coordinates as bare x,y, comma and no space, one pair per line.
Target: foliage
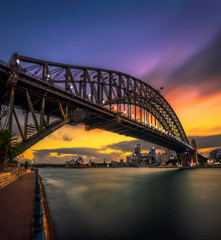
9,146
14,161
25,164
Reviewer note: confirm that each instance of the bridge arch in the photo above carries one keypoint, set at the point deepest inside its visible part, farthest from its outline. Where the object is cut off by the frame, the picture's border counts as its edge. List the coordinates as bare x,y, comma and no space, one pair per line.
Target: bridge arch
58,90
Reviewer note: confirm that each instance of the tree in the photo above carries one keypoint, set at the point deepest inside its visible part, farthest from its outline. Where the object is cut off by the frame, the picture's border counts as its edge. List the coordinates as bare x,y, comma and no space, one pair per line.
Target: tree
8,146
26,165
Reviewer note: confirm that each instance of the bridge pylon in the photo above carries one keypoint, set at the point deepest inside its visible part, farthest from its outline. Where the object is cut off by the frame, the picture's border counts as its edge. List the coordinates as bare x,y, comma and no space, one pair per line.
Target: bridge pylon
193,155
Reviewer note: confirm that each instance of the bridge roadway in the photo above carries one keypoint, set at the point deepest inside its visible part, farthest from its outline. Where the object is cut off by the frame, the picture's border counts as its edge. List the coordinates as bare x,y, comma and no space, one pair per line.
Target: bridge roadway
22,91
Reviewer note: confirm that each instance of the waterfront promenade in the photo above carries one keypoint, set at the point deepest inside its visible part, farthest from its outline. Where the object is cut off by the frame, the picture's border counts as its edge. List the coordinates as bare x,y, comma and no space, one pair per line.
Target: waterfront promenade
16,208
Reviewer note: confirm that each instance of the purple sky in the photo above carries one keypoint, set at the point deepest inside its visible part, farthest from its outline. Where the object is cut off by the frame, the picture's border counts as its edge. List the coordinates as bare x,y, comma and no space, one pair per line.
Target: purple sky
130,36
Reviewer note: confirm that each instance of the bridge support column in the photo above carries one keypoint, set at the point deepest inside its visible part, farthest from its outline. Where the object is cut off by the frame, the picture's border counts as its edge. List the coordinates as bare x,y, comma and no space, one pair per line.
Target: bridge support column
19,126
42,113
11,107
194,154
44,133
31,108
25,123
180,160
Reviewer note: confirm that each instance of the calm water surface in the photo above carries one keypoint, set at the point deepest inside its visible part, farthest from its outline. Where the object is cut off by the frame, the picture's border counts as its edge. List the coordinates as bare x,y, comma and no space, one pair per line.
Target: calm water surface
134,203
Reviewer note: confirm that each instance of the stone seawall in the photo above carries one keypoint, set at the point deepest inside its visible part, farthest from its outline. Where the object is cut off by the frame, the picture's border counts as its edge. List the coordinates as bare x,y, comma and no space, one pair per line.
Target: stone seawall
49,229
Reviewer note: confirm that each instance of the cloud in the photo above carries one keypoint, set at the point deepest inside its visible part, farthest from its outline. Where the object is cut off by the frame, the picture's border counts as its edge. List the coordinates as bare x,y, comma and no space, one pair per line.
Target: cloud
60,155
203,66
207,141
201,71
74,151
67,138
206,130
46,155
127,146
97,154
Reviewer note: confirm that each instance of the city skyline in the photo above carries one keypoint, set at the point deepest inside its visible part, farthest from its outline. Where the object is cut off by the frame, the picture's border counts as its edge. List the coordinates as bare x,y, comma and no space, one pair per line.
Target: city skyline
175,45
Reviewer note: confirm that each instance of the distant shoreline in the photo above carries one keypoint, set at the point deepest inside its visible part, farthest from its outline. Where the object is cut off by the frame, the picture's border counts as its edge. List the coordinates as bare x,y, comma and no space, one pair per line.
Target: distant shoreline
89,167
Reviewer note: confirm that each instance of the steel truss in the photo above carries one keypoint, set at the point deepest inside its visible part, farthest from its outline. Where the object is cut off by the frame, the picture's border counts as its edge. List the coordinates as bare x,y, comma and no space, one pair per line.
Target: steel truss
41,92
110,89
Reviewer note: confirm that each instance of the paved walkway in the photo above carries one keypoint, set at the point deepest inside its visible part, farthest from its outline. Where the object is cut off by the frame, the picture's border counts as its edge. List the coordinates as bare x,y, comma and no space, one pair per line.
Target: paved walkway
16,208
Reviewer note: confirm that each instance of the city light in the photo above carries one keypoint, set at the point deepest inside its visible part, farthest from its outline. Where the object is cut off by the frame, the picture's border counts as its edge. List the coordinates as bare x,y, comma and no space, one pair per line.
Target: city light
17,61
113,108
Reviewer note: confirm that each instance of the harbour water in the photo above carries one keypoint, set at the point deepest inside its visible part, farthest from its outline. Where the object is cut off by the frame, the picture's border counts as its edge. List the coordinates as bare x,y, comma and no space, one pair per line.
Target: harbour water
134,203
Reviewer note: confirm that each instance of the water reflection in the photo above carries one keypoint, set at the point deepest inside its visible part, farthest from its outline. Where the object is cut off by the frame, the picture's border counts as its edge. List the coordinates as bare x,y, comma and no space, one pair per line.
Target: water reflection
134,203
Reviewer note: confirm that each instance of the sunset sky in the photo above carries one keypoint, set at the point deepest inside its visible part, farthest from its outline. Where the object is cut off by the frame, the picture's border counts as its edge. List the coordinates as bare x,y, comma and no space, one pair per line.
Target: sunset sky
175,44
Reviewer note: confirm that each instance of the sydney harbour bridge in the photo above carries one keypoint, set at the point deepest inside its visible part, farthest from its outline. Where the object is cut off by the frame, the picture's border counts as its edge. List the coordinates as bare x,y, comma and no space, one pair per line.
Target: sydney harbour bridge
38,97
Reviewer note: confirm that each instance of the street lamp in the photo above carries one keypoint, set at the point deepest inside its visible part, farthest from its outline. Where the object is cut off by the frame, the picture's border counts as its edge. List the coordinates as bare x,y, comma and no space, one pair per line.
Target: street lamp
113,108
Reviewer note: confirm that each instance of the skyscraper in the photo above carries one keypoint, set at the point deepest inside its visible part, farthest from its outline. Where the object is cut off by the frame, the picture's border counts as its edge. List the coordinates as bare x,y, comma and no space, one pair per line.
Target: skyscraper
153,155
136,154
136,149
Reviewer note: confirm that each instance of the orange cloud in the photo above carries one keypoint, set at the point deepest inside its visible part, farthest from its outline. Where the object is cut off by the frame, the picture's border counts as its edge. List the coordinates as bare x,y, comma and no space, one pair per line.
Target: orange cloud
206,151
199,115
79,138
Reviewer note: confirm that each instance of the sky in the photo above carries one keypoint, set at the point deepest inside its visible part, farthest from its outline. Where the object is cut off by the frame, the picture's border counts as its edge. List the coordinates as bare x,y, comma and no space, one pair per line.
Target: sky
175,44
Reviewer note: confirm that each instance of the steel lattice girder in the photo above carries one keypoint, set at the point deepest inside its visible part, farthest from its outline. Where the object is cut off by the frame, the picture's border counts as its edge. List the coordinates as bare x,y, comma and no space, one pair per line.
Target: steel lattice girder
103,87
57,90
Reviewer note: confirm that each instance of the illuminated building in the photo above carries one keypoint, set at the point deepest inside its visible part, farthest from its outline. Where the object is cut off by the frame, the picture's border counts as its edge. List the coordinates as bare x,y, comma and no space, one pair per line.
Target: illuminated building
152,155
168,155
121,162
136,149
128,161
136,154
159,158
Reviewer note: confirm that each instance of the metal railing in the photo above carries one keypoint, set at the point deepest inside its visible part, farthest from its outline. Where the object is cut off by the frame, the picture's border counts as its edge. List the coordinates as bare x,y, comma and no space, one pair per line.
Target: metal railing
39,233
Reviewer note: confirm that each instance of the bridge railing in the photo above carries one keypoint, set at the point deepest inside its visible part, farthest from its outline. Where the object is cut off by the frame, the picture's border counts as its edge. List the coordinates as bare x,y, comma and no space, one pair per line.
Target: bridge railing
4,63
